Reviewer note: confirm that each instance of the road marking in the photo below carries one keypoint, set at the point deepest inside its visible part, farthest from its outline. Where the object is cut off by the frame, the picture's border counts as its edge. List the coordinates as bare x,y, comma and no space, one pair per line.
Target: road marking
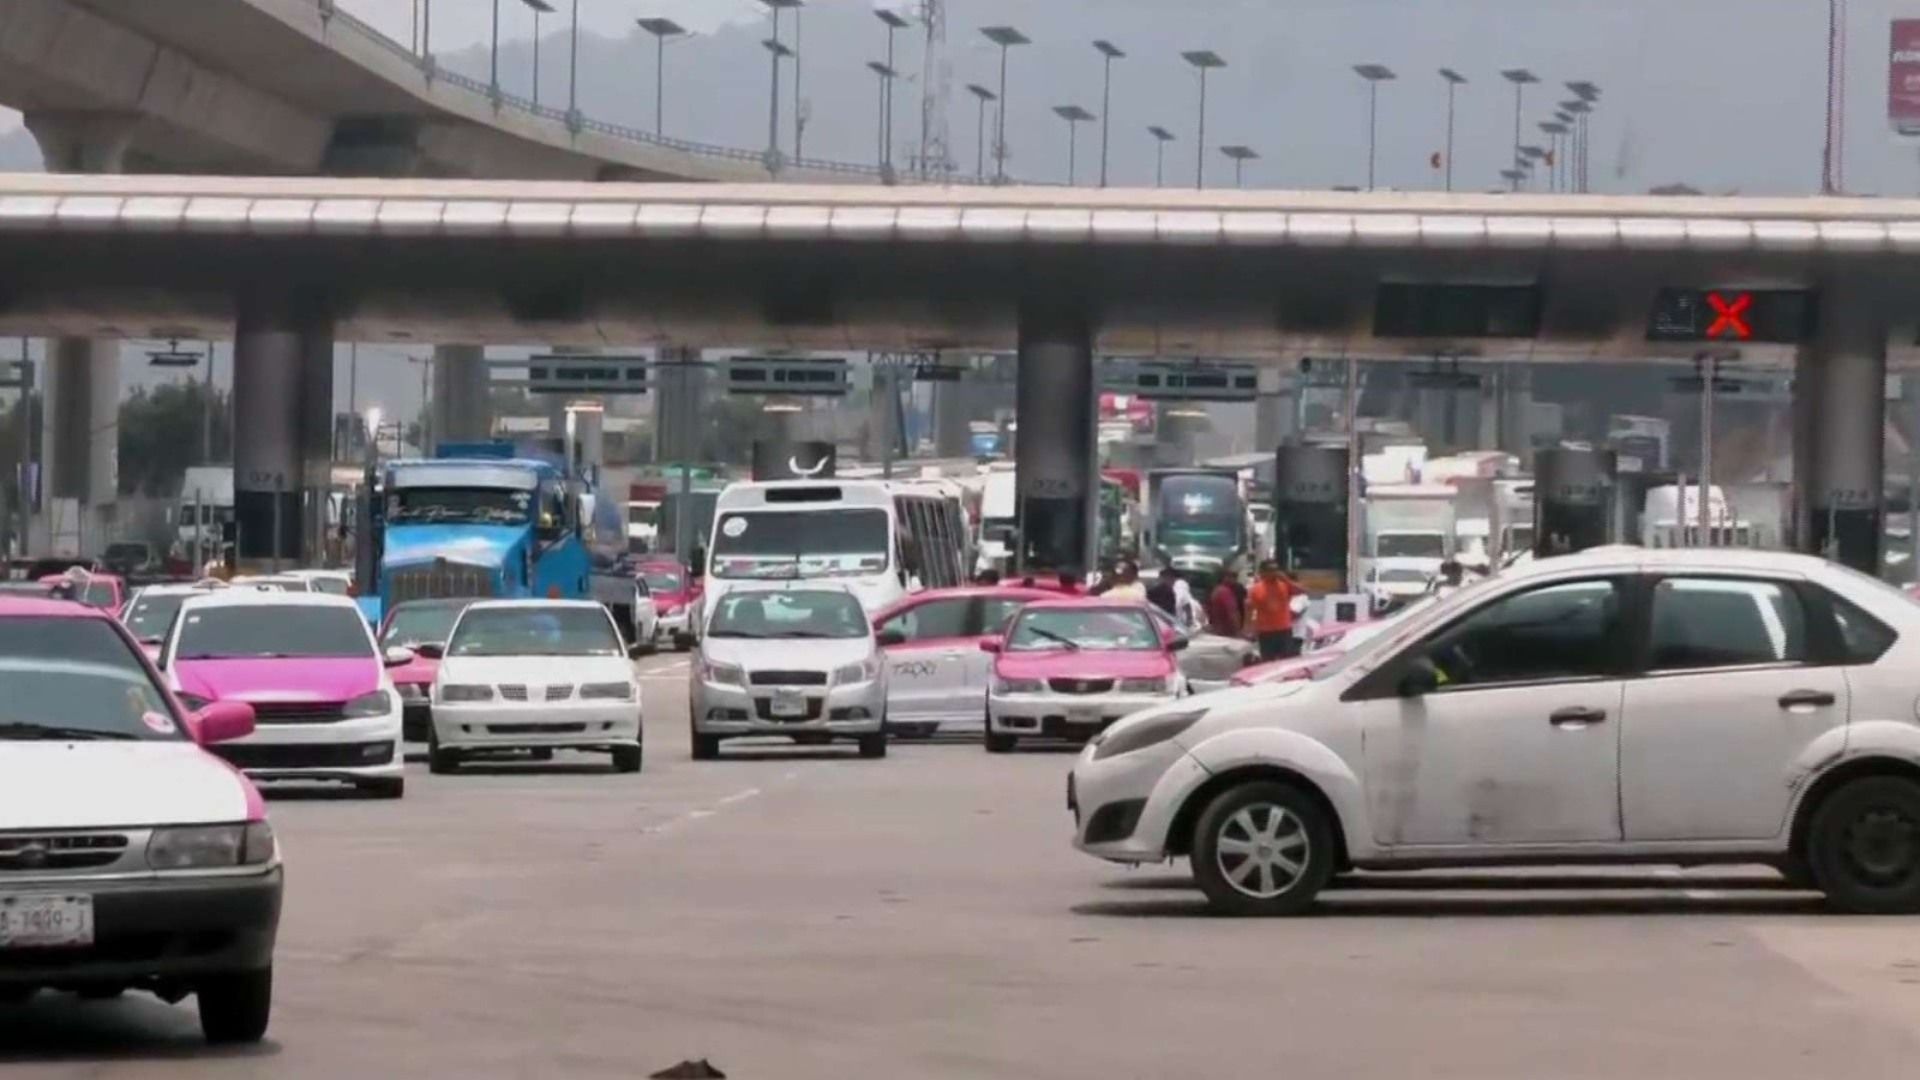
702,812
739,796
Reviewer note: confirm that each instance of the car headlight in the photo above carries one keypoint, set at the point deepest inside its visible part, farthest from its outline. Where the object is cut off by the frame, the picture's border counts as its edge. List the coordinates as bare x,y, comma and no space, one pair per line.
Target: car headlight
723,674
1017,686
606,691
193,702
207,847
377,703
411,691
466,692
1161,685
865,671
1141,734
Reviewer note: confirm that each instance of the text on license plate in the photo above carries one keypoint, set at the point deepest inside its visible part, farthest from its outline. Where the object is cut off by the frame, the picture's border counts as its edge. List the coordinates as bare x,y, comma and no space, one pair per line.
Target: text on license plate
1083,716
41,920
789,706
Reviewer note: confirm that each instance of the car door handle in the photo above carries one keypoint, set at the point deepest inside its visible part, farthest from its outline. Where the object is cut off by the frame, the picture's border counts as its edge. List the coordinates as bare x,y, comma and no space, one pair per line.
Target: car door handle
1798,698
1578,714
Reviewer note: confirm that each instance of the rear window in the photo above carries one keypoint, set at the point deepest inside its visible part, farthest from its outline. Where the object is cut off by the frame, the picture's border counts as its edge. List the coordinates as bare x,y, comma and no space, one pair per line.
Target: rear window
1863,638
77,679
271,631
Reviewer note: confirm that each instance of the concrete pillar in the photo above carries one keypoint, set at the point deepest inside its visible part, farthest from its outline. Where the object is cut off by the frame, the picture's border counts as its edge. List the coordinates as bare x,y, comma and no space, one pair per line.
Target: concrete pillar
883,428
1840,413
80,441
954,410
1274,412
588,445
282,392
461,408
1056,463
679,401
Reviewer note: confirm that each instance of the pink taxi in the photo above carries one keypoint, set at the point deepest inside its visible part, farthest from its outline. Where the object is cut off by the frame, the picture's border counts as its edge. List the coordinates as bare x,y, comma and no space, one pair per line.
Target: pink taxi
1069,668
936,672
674,595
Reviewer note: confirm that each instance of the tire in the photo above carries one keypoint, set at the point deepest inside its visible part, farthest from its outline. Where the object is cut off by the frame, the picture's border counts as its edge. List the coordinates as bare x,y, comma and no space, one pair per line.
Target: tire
1863,846
997,743
706,747
235,1008
386,788
1243,816
874,746
626,759
440,762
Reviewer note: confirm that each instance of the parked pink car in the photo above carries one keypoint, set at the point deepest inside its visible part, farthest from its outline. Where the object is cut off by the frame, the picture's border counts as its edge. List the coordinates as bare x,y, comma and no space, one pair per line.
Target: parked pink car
325,706
1067,668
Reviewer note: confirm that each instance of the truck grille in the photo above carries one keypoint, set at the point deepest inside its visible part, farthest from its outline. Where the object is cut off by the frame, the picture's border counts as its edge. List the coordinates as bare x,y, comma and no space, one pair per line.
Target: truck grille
437,581
60,851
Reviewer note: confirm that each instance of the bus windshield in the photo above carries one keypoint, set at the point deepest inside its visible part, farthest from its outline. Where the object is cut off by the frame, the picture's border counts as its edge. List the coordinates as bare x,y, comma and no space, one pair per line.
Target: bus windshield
800,543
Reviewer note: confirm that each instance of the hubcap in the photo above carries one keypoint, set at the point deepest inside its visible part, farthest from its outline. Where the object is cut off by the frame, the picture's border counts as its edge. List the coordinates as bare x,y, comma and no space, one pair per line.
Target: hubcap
1262,850
1883,846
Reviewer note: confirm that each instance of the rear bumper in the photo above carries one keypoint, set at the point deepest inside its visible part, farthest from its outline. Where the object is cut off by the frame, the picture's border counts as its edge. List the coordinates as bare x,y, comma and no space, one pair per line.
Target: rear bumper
157,930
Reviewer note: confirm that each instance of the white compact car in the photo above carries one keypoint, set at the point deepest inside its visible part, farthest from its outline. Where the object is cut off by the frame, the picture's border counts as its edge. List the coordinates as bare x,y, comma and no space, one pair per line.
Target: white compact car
1675,706
538,675
795,659
319,686
130,857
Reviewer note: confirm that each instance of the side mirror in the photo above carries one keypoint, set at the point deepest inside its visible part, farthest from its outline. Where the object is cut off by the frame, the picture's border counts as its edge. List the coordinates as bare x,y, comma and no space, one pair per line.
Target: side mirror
1179,644
1421,678
889,638
430,650
991,644
223,721
398,656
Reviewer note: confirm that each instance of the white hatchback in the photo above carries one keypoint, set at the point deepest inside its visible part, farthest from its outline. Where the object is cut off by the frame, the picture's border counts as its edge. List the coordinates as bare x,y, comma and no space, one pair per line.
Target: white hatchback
1680,706
538,675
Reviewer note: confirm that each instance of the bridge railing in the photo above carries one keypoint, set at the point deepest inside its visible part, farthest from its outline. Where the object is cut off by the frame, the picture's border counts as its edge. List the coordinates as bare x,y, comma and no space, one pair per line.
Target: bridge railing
331,12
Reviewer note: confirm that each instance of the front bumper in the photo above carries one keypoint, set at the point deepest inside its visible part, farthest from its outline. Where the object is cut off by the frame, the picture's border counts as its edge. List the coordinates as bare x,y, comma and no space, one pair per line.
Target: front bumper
576,724
845,709
156,929
1064,716
666,626
416,712
350,750
1151,784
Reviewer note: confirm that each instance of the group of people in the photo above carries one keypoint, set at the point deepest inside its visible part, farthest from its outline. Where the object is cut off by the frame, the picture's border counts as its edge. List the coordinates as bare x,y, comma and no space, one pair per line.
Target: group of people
1261,612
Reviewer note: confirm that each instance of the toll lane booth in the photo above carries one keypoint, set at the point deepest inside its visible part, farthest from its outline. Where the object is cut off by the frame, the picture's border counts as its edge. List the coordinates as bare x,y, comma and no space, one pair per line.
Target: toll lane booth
1310,515
1573,500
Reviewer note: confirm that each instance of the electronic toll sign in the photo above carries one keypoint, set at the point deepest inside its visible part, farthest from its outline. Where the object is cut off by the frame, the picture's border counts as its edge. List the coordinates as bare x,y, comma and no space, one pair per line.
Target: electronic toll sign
1733,316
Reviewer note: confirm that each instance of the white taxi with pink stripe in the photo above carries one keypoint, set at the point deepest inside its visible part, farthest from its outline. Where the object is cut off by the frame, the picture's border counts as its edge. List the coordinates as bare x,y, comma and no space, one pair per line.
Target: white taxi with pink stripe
130,857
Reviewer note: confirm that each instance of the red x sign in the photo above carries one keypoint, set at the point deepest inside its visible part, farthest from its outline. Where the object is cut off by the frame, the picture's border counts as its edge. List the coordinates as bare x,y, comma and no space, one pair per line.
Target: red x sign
1729,317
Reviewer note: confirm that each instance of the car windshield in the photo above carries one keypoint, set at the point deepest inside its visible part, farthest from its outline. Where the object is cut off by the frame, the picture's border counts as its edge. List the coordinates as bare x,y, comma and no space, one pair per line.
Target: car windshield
534,631
417,624
799,613
1107,629
800,543
663,581
149,615
1411,546
271,631
472,506
77,679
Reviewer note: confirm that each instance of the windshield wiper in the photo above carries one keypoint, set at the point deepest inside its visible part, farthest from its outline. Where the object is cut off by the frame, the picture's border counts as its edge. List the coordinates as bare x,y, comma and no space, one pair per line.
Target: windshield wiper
26,729
1051,636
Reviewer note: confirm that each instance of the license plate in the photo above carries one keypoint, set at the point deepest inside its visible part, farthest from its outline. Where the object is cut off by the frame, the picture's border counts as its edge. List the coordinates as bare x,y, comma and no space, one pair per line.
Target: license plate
38,922
1083,716
785,707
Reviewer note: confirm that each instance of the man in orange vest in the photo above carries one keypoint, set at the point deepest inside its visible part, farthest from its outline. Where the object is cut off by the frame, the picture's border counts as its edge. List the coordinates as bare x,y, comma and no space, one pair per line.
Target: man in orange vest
1270,613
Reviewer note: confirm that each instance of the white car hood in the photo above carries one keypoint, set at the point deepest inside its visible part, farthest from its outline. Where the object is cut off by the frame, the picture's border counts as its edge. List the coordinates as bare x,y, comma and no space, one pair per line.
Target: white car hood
91,785
534,670
787,654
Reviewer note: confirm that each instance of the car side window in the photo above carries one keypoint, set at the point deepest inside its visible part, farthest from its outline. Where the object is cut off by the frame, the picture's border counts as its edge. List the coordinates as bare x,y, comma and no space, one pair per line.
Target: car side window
933,619
1570,630
1863,638
995,612
1726,622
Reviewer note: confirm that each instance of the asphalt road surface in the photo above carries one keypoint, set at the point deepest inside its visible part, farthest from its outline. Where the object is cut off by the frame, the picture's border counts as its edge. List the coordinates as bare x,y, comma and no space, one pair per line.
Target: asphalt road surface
801,914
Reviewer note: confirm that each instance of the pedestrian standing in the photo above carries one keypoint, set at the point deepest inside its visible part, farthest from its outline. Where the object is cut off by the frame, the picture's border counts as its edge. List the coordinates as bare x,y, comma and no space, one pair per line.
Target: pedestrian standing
1224,612
1270,613
1161,595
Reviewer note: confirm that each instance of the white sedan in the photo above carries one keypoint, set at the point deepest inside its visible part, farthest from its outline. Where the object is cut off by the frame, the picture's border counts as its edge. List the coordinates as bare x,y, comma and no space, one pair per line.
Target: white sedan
537,675
1677,706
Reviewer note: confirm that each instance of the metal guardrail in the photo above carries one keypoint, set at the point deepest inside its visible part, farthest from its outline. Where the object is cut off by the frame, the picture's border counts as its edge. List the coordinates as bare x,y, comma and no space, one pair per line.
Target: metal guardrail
576,122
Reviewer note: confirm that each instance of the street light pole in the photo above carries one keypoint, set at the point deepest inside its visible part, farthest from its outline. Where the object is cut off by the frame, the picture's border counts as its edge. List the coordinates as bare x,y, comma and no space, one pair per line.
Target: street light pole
1006,37
1240,156
880,123
799,106
1453,79
1375,74
1588,95
1161,137
980,128
1204,61
573,69
1073,115
1110,52
1519,77
895,23
540,7
661,29
1555,131
493,79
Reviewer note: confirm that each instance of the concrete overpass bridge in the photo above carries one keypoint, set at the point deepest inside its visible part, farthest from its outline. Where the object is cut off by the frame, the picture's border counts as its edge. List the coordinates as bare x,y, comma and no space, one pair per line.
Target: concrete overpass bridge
1824,286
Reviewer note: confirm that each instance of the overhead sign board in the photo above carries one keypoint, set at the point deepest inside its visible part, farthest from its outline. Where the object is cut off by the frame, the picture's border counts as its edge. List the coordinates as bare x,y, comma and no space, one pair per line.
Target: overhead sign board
587,374
1447,310
1733,316
1173,380
787,375
1903,76
937,372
